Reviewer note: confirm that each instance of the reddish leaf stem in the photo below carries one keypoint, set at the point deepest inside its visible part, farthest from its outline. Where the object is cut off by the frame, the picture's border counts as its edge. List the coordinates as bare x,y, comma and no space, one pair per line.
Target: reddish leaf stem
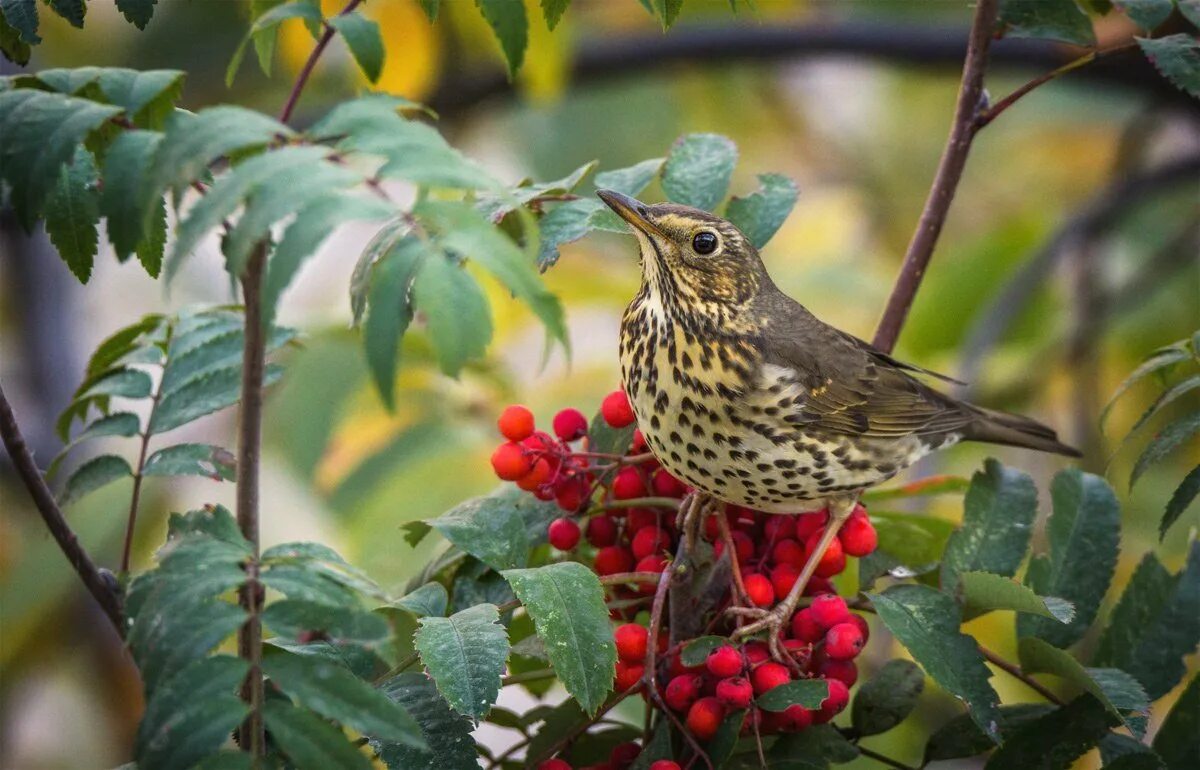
1017,672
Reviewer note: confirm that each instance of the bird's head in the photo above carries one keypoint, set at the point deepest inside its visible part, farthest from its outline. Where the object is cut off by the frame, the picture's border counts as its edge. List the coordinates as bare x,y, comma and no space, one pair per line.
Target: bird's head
690,255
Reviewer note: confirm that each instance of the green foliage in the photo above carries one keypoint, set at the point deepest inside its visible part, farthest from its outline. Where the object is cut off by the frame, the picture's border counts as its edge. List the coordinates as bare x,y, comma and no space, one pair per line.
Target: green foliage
72,213
910,545
364,40
982,592
511,27
1118,691
447,734
1054,19
21,17
308,741
887,698
465,655
1177,57
808,693
698,170
1176,741
1055,740
998,515
761,213
962,737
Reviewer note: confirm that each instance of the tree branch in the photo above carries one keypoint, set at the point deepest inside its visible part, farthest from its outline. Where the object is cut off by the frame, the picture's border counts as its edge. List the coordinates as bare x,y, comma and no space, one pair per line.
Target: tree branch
102,589
1015,671
945,182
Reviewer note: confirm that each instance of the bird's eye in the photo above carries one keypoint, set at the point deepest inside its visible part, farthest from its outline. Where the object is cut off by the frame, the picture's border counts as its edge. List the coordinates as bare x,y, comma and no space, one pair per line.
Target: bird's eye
704,242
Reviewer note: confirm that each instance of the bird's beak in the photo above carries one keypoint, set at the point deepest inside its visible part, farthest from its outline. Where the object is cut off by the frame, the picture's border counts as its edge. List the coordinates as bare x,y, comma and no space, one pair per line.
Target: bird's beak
631,210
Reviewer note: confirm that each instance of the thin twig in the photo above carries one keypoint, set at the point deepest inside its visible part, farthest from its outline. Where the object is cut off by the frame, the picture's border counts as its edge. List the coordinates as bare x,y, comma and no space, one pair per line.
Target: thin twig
136,495
640,502
302,78
102,590
734,562
526,676
1015,671
945,182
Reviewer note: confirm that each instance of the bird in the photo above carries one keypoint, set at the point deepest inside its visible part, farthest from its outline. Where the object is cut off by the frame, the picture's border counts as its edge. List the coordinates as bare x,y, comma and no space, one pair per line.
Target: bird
750,399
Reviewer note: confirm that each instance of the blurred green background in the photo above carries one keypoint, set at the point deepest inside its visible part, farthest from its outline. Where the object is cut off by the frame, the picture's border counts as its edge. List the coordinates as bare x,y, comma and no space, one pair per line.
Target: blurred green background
860,134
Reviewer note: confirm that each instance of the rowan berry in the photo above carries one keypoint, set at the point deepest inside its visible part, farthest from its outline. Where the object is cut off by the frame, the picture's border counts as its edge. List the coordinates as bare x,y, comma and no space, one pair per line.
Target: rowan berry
666,485
844,670
624,754
783,577
759,590
858,537
724,661
682,691
616,410
756,652
839,696
631,640
843,641
704,717
515,423
768,676
796,718
572,493
808,523
612,559
601,531
510,462
863,626
538,475
638,518
735,692
665,764
649,540
788,551
827,610
628,675
563,534
554,764
638,445
779,527
805,627
832,562
628,484
570,424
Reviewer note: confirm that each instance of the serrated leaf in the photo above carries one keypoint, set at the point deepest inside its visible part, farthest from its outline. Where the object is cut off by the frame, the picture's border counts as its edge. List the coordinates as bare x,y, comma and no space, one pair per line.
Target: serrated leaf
334,692
698,170
1181,388
122,342
293,617
361,661
760,214
122,383
1114,746
12,46
1176,740
982,592
146,96
886,699
123,424
94,474
447,734
496,206
308,585
1147,14
310,742
511,27
605,439
1118,691
565,223
1177,57
193,141
909,545
72,213
430,7
998,514
1050,19
191,715
667,11
22,16
1183,496
961,737
203,395
428,600
456,312
206,460
809,693
553,11
389,310
137,12
926,622
631,180
71,10
489,528
1055,740
177,633
1084,534
364,40
695,652
566,602
128,196
1164,442
151,248
1157,361
465,655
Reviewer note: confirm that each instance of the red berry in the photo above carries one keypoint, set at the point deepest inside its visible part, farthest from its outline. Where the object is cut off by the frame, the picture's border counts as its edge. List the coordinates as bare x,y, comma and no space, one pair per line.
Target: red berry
509,462
832,562
805,627
628,675
843,642
632,640
666,485
808,523
538,475
570,424
724,661
515,423
639,518
783,577
760,590
624,754
653,563
756,652
616,410
554,764
742,543
612,559
843,670
735,692
839,696
665,764
768,676
682,691
628,484
817,586
572,493
863,626
638,445
788,551
779,527
601,531
704,718
858,536
648,541
796,718
563,534
827,610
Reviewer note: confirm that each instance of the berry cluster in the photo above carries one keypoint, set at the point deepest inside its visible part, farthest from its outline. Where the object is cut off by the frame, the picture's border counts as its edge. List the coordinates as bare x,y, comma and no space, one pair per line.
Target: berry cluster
619,512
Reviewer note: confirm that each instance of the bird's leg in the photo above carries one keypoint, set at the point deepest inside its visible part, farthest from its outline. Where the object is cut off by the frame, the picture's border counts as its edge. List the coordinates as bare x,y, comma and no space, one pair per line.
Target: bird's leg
772,621
691,516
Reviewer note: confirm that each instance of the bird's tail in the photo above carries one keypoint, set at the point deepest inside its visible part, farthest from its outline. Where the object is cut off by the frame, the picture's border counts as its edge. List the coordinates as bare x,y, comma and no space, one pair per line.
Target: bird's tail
1014,430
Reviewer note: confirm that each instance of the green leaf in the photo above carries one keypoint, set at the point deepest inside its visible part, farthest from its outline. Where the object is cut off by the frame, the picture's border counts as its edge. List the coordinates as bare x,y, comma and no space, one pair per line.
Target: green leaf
41,132
605,439
667,11
1056,740
489,528
1177,57
1050,19
447,734
1084,534
909,545
123,424
982,592
808,693
465,655
1157,361
553,11
22,16
171,634
566,602
363,38
137,12
456,312
146,96
961,737
511,27
92,475
72,213
811,749
11,45
308,585
1147,14
334,692
887,698
128,197
428,600
1155,625
631,180
1183,496
430,7
203,395
151,248
293,617
998,515
926,622
1118,691
1176,740
698,170
71,10
566,223
1114,746
213,520
389,311
310,742
191,715
1191,11
192,142
1169,395
206,460
695,652
122,383
1164,442
760,214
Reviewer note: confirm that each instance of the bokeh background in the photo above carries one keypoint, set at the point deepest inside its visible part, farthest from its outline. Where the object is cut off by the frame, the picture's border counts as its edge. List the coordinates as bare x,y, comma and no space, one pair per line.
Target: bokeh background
853,101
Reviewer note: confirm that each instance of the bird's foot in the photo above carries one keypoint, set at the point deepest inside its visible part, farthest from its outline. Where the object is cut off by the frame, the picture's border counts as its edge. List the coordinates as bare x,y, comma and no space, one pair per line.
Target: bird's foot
690,518
772,621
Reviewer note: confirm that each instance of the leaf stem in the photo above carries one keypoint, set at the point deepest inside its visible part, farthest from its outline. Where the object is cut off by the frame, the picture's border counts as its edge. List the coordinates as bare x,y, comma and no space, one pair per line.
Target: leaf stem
306,71
527,676
102,589
136,495
1018,673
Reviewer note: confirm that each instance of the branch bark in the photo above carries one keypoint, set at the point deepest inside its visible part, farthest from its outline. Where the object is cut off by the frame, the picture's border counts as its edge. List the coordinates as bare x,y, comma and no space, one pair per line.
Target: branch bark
945,182
102,589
